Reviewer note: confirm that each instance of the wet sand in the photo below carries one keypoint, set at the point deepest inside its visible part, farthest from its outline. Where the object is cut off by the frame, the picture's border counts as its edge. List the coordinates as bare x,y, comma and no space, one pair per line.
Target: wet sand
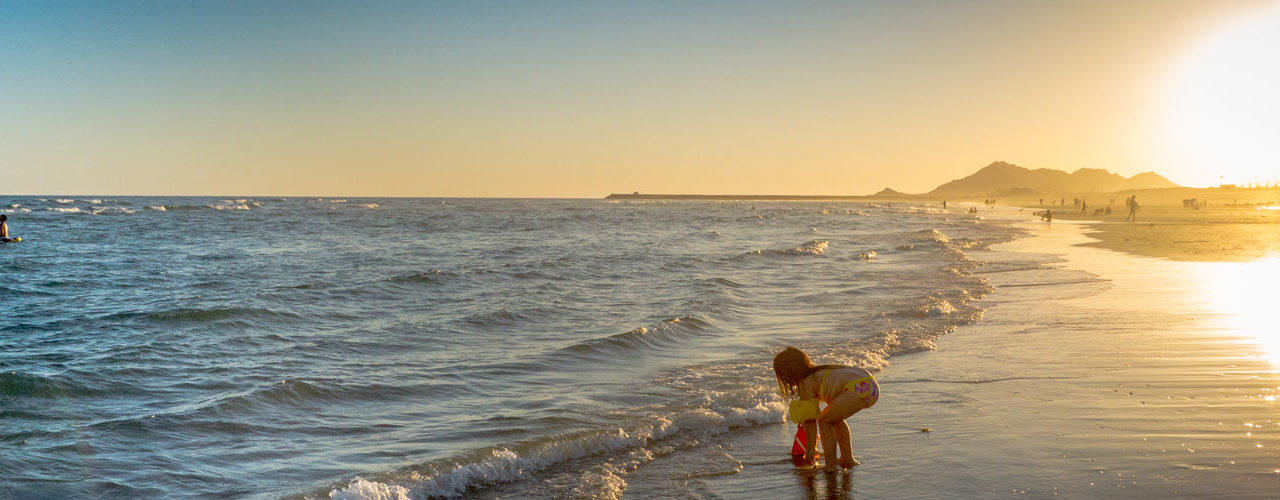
1126,377
1214,233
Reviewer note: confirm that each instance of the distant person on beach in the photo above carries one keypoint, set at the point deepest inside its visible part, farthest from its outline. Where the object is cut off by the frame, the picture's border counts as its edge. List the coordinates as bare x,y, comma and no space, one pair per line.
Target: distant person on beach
4,228
1133,208
1048,216
845,390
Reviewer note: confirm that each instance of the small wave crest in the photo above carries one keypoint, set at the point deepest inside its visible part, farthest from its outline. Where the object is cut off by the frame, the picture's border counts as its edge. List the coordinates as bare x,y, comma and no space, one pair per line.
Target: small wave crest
663,334
814,247
110,210
197,315
434,276
235,206
36,386
508,318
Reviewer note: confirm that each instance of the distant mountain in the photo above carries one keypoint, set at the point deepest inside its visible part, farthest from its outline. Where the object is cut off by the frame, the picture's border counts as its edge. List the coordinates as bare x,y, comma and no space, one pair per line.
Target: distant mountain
1007,179
889,193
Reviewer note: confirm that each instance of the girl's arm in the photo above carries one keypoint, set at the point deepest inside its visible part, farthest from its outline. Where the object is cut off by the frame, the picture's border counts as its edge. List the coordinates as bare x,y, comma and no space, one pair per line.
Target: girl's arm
811,441
811,427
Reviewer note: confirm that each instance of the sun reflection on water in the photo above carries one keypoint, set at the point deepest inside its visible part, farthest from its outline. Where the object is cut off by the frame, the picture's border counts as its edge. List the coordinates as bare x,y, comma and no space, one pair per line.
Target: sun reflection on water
1245,293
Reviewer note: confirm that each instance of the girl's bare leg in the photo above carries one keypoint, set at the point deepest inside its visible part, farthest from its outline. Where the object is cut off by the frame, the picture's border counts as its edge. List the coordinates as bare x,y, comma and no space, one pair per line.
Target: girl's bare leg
829,439
846,445
834,427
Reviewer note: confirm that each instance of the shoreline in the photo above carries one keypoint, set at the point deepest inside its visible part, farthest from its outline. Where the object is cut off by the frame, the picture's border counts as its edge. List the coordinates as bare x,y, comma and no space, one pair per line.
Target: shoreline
768,197
1108,381
1212,234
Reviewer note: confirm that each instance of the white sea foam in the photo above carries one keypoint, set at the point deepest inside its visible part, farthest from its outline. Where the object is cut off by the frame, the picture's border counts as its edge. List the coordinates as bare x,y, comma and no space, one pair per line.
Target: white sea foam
93,201
158,208
503,465
65,210
110,210
240,206
934,306
63,201
368,205
361,489
815,247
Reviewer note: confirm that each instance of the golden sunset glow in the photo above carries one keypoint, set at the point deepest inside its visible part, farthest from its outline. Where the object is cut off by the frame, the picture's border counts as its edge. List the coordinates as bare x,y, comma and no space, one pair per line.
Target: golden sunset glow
1224,104
554,100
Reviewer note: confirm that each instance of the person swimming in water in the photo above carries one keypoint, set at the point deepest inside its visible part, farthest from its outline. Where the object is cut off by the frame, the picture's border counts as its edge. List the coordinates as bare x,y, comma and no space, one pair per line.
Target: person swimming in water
4,229
845,390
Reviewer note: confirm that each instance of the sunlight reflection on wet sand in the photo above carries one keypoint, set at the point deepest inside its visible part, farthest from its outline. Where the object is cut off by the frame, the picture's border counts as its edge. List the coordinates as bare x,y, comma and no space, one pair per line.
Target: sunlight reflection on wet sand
1244,293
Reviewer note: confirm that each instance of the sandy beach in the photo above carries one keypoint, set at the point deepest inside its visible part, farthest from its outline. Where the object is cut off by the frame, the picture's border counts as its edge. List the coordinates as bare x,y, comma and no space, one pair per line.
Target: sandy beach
1234,226
1124,377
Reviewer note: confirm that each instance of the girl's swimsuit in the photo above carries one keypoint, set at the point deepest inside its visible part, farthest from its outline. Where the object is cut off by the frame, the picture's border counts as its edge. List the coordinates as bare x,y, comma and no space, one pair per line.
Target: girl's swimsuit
866,388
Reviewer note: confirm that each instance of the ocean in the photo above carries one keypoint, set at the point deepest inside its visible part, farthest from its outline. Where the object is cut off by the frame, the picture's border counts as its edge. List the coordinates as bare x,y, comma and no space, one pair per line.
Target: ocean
170,347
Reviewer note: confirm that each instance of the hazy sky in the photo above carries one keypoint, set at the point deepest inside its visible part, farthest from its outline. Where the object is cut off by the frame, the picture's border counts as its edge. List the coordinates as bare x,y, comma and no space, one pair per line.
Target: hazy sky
563,99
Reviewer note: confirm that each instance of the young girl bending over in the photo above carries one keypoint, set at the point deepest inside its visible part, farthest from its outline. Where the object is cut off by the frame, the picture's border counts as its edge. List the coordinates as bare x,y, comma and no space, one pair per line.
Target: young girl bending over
845,390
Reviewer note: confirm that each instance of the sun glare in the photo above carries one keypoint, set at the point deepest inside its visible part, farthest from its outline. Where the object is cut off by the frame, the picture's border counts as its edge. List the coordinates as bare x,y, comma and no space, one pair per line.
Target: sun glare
1240,291
1225,103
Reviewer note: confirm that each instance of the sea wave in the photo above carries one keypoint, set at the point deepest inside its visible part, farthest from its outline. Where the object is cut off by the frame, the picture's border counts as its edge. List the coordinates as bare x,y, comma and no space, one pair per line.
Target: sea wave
36,386
508,318
814,247
237,206
433,276
199,315
663,334
629,446
110,210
